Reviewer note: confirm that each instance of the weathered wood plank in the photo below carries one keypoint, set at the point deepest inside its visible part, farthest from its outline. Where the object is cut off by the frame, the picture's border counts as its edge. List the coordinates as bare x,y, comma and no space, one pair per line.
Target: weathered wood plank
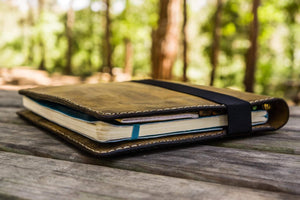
279,141
261,170
293,124
269,171
295,111
27,139
40,178
8,115
10,99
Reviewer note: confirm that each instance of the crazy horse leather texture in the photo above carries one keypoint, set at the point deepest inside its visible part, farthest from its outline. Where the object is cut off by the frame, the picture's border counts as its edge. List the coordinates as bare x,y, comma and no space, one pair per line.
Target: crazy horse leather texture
108,101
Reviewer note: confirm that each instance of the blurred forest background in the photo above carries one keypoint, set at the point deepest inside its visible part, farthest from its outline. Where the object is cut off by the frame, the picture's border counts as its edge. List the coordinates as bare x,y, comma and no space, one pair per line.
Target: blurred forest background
250,45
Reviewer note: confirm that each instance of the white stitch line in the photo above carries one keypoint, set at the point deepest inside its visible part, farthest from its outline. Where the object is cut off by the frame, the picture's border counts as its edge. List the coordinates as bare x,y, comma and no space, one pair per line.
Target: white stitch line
129,146
136,145
160,141
143,144
261,126
128,112
258,100
143,111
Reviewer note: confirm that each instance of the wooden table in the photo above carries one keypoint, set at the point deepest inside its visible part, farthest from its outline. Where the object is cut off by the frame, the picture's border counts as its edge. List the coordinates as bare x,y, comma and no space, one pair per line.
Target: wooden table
37,165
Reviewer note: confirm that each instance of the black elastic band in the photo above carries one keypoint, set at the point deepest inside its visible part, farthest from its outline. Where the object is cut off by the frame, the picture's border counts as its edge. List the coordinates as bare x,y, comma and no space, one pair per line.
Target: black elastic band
238,110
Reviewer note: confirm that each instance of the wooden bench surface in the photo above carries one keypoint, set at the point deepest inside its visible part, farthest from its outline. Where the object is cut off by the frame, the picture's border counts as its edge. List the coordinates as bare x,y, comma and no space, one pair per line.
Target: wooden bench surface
37,165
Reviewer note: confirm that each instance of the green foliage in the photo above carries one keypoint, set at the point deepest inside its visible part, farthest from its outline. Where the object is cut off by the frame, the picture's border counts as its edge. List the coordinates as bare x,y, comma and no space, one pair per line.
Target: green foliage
278,52
277,49
136,26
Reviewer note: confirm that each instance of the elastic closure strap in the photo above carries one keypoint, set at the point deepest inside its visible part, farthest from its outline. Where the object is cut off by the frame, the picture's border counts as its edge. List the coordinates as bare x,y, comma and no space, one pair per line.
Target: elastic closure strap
238,110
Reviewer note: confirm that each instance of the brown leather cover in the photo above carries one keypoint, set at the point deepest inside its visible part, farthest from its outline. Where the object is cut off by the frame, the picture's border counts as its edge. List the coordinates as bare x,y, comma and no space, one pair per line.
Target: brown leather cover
107,101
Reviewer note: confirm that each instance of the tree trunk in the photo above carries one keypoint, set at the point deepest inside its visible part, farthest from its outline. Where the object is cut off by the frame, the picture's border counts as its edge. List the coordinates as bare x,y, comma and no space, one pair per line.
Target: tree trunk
91,29
42,62
165,39
251,55
107,46
184,42
216,41
41,38
128,57
291,52
69,35
30,22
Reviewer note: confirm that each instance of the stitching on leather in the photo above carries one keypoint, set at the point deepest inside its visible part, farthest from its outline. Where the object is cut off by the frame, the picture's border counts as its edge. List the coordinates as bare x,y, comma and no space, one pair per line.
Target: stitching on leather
260,100
133,145
162,109
174,108
144,144
160,141
148,143
136,145
63,99
143,111
261,126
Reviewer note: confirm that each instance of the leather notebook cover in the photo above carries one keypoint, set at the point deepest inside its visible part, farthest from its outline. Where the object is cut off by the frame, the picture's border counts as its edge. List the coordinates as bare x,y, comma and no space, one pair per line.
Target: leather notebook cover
109,101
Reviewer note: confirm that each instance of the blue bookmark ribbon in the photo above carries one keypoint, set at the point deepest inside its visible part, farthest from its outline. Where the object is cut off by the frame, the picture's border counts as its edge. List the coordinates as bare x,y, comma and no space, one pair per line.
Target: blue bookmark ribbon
135,132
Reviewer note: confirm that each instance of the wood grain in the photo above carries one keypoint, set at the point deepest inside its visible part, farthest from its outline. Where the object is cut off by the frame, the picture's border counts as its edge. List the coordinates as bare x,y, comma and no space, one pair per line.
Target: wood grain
27,139
279,141
10,99
248,168
295,111
40,178
292,125
255,169
8,115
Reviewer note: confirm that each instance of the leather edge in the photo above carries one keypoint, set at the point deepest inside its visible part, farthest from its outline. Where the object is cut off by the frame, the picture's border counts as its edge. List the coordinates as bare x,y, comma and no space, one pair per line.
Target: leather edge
111,149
